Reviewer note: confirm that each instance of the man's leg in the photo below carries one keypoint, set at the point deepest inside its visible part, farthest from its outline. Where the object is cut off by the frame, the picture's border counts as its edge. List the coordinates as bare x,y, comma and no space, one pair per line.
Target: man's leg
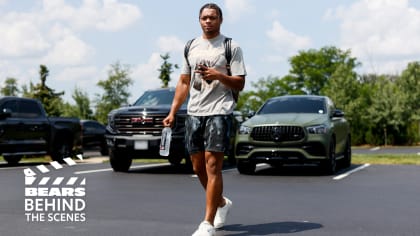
199,167
214,189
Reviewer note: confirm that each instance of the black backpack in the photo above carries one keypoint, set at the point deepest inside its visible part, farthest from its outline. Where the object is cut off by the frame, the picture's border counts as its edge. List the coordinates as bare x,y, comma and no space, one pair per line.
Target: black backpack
228,55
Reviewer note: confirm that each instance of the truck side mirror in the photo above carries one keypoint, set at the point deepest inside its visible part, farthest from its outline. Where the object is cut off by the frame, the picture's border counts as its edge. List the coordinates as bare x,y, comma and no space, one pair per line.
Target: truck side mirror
5,113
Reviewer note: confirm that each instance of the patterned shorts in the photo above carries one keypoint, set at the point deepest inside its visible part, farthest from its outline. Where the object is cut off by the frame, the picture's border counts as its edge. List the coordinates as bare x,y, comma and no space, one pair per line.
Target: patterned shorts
208,133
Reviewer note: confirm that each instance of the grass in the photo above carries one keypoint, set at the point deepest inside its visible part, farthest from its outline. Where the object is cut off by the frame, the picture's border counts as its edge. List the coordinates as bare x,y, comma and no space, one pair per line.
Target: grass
386,159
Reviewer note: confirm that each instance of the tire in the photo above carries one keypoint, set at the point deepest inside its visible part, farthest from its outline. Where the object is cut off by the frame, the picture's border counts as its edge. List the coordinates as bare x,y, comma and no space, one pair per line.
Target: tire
231,156
246,167
62,149
12,159
104,149
119,160
347,154
329,166
175,159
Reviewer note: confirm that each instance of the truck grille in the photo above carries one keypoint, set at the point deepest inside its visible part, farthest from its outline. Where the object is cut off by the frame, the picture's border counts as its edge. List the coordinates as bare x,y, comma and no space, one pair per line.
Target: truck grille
138,124
278,133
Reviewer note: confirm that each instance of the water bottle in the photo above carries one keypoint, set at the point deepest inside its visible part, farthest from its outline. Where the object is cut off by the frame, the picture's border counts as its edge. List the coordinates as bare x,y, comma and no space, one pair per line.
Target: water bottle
165,141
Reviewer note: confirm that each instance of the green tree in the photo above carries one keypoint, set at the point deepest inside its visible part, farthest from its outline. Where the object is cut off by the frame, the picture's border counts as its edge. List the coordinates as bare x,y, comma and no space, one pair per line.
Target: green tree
263,89
409,84
349,95
166,70
115,91
82,108
312,69
385,112
10,87
51,100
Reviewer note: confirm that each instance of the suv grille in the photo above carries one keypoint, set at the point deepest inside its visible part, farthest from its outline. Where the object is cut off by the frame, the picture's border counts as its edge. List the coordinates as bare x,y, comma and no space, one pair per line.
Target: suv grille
278,133
135,123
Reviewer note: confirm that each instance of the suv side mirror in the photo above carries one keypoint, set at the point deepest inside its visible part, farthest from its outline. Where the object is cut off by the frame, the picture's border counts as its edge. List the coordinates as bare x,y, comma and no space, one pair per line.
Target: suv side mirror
251,114
338,113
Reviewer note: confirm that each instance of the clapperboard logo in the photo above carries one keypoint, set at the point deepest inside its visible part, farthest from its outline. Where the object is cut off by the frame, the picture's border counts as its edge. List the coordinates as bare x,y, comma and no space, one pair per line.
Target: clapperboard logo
59,199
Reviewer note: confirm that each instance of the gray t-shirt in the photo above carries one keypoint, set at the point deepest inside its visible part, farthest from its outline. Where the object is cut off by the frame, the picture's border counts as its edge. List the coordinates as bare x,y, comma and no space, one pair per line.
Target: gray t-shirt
212,97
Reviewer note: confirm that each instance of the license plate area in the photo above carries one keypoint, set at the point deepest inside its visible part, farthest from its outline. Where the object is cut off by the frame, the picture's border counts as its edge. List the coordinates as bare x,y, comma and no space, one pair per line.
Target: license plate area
141,145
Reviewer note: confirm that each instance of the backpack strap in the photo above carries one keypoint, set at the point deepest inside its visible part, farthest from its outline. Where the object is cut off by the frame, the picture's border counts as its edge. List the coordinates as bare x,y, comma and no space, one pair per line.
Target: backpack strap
186,50
228,53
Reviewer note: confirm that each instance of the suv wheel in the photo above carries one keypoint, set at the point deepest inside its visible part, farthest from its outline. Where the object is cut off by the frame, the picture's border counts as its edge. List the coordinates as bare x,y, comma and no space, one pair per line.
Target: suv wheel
347,154
330,165
119,160
246,167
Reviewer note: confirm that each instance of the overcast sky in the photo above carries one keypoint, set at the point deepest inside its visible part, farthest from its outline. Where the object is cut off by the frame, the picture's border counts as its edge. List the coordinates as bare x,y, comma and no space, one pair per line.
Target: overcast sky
77,40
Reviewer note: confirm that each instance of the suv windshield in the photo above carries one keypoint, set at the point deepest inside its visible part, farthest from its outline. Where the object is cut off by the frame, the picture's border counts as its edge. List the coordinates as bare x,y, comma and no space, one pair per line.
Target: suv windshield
294,105
156,97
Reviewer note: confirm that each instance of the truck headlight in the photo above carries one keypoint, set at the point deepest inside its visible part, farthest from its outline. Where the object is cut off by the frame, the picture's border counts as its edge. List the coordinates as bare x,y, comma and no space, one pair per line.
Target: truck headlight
244,129
111,121
317,129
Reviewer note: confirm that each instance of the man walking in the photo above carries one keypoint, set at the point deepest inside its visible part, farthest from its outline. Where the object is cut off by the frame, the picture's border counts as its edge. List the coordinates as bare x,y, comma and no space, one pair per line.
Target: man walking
211,83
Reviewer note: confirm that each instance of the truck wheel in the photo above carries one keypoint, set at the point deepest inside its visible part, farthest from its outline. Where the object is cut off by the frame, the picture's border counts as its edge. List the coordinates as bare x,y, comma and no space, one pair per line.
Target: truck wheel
62,149
246,167
120,162
12,159
330,165
104,149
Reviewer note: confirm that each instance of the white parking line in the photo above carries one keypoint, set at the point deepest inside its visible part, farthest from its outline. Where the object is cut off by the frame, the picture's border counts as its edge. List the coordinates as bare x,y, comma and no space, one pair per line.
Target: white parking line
110,169
344,175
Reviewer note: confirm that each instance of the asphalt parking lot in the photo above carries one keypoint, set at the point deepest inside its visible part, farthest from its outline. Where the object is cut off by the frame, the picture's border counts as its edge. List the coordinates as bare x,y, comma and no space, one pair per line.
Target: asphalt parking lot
159,199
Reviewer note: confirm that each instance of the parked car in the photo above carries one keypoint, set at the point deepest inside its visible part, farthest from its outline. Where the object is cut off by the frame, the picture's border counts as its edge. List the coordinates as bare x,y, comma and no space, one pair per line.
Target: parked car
134,132
294,129
26,130
93,136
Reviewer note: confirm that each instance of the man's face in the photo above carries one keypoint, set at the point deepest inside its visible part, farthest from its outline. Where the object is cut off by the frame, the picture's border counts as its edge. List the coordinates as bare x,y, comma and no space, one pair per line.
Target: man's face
210,21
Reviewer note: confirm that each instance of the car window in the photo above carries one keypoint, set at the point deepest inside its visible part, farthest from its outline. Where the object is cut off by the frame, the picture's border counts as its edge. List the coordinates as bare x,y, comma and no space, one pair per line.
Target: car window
152,98
10,106
29,109
157,97
294,105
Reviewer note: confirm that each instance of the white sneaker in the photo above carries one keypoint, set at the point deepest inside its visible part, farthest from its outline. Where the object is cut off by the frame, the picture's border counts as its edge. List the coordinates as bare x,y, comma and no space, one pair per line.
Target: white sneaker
205,229
221,214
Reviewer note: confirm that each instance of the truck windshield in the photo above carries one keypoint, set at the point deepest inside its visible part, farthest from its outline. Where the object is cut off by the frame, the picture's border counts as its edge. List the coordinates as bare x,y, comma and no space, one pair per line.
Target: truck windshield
294,105
156,97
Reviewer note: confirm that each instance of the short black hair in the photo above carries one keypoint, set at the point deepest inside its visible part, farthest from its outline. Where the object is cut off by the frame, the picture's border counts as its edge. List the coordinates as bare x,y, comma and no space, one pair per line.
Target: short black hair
212,6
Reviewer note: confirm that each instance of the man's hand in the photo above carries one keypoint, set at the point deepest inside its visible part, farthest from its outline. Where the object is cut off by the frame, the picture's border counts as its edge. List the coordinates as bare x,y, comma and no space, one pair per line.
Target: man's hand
169,121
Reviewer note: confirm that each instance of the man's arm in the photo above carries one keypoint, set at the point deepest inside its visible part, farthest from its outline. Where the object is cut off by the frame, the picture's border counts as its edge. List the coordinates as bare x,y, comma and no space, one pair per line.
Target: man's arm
236,82
181,93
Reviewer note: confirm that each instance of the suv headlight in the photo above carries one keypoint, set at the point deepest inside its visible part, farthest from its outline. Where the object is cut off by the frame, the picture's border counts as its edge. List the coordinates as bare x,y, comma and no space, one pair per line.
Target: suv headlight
317,129
244,129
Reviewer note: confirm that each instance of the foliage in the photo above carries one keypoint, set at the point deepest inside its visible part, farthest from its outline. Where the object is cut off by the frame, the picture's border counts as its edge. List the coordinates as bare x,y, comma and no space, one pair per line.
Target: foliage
10,88
166,70
82,108
263,90
115,92
312,69
51,100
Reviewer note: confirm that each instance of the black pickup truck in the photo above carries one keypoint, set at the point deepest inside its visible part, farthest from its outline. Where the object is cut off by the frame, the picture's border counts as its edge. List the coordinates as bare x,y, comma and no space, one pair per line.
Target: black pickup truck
25,130
134,132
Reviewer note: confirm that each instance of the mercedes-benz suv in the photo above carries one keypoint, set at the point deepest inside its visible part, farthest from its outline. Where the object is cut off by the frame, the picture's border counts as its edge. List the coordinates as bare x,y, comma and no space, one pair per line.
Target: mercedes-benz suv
294,129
